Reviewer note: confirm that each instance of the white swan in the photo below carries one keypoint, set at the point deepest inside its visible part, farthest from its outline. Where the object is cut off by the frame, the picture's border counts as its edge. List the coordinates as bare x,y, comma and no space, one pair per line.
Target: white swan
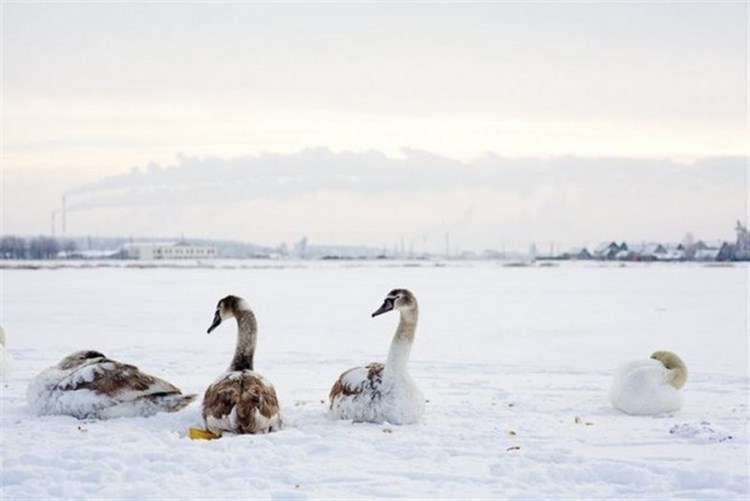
87,384
4,355
241,400
377,392
650,386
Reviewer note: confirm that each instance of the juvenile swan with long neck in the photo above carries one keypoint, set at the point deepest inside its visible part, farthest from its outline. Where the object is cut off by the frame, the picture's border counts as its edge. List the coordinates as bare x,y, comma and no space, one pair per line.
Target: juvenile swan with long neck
241,400
378,392
650,386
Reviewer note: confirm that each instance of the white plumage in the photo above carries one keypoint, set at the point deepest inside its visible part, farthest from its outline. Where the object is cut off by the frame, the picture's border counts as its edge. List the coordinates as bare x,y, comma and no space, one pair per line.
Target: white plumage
384,396
384,392
650,386
5,358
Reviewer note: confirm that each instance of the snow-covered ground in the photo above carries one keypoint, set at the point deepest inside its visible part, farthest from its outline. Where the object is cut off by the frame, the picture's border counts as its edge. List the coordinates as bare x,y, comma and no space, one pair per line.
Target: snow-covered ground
515,363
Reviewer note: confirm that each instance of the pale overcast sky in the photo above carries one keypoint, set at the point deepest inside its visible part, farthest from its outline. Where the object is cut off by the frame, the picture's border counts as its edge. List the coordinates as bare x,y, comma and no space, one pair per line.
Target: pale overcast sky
91,91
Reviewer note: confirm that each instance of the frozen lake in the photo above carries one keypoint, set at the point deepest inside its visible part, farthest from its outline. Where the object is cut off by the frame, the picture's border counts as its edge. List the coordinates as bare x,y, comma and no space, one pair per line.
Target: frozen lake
574,315
498,350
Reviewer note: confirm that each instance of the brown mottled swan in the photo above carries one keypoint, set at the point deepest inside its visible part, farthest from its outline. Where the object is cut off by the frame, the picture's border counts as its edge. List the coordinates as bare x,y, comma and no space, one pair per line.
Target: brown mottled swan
384,392
241,400
87,384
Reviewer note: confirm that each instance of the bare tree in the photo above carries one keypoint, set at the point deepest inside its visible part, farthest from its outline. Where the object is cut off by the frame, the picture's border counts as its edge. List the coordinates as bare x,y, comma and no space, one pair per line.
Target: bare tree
69,246
12,247
43,248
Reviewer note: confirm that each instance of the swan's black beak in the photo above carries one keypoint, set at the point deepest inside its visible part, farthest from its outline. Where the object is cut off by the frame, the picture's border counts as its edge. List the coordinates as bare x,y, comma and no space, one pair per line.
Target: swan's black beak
215,323
386,306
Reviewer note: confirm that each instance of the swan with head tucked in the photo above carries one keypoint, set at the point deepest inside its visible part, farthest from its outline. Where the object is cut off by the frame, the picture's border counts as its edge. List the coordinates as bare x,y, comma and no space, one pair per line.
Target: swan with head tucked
4,356
87,384
240,400
650,386
384,392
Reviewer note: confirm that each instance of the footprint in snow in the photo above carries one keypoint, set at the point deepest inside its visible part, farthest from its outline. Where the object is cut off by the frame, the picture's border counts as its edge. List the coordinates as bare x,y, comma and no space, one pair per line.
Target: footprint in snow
703,432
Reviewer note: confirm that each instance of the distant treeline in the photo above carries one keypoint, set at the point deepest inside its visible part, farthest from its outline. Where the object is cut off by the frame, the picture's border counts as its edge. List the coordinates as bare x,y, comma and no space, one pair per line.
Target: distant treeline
41,247
91,247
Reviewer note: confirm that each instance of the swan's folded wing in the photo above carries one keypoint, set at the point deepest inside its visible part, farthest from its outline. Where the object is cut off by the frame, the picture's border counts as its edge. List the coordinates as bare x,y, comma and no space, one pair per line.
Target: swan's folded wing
221,397
356,380
121,382
241,402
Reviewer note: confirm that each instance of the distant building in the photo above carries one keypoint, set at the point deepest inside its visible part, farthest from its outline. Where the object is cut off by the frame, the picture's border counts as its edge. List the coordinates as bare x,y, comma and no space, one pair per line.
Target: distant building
179,250
649,251
727,252
673,253
607,250
742,246
707,254
578,253
700,245
623,255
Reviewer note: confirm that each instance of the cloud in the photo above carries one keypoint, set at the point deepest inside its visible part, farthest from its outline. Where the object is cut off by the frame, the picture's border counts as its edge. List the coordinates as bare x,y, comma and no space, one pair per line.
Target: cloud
368,197
194,180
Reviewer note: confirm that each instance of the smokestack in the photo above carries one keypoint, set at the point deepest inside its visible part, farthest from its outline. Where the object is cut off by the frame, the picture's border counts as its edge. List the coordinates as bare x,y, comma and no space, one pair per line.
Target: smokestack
53,224
63,216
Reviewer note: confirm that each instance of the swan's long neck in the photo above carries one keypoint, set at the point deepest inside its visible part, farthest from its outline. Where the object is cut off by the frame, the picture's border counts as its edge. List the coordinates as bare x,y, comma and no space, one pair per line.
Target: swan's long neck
676,368
247,334
678,375
398,355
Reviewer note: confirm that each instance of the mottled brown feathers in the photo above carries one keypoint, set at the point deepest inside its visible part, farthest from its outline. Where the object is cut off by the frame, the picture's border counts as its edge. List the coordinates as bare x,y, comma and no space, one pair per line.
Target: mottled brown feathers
121,382
250,396
342,389
111,378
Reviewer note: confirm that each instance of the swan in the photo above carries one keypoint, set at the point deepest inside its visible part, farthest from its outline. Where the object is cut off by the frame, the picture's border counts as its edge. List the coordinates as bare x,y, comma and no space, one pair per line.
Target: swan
240,400
87,384
650,386
4,355
384,392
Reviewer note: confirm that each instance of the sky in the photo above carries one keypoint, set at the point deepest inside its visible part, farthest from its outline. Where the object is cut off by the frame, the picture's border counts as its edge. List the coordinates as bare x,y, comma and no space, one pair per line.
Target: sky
589,121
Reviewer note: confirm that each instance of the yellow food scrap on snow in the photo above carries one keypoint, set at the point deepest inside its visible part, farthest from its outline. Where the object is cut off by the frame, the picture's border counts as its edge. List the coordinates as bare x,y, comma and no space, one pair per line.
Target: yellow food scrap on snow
200,434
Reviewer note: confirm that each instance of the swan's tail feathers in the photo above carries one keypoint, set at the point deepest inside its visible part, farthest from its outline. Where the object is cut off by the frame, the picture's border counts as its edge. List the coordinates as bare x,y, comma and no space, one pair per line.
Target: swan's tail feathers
171,402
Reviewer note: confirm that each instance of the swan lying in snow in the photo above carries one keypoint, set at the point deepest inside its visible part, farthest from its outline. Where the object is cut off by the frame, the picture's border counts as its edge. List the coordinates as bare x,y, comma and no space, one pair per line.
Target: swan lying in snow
4,355
650,386
241,400
378,392
87,384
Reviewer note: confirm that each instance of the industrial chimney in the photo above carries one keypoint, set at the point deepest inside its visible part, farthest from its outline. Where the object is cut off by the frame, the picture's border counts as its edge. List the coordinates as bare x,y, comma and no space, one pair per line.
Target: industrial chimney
63,215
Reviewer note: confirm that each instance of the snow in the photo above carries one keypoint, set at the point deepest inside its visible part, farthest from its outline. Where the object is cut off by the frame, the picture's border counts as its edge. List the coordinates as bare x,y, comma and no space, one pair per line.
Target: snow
515,364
